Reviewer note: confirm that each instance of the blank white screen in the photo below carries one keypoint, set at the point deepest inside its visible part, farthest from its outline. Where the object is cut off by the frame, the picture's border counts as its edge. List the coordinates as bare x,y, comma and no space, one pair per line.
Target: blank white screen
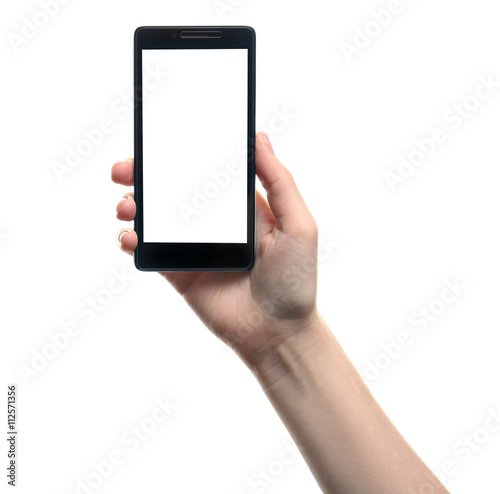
194,146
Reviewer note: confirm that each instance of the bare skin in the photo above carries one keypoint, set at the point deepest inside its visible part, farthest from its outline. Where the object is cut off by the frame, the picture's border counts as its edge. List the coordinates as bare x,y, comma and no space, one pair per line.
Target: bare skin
268,315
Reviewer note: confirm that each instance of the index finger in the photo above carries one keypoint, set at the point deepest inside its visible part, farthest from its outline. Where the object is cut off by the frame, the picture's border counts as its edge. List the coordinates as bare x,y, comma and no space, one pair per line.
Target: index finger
122,172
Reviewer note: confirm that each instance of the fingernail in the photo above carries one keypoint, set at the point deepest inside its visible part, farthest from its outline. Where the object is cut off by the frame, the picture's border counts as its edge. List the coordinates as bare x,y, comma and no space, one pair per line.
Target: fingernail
128,195
268,143
122,232
130,159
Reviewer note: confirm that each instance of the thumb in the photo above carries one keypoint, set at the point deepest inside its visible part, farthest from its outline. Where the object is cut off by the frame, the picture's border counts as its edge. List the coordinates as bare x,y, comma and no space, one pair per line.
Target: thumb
287,204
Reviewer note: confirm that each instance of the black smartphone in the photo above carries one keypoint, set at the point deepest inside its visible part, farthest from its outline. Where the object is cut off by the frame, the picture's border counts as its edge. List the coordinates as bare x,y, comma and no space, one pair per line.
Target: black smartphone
194,140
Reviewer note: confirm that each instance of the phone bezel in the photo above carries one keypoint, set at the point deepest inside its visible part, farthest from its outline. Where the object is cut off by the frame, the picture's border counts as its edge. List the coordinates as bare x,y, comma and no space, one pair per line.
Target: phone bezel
193,256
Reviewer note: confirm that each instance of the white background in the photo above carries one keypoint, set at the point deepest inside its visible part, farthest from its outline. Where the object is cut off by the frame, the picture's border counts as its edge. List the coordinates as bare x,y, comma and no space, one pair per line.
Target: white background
394,249
194,123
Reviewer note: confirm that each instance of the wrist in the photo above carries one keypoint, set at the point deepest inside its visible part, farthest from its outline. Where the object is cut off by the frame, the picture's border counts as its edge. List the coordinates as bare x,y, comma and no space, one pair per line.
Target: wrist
288,357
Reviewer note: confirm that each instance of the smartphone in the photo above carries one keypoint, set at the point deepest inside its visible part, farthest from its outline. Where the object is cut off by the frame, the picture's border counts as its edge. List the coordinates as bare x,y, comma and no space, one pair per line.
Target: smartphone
194,145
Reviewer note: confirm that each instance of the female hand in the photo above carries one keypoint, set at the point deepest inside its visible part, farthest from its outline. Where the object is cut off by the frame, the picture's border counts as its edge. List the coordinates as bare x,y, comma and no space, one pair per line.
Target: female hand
269,316
257,310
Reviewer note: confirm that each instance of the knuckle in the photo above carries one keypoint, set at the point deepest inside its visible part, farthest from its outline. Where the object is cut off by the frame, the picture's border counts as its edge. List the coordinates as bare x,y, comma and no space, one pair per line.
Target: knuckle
311,230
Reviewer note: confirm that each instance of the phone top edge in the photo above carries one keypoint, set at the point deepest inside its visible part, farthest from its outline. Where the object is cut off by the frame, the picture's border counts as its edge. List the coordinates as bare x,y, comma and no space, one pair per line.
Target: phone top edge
250,28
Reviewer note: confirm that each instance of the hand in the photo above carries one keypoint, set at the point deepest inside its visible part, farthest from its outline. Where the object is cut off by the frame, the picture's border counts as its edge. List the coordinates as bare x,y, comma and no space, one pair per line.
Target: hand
254,311
269,317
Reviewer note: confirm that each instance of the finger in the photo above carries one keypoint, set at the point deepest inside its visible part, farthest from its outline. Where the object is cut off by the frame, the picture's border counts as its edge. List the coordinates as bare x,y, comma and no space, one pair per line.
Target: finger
288,206
126,208
264,217
122,172
262,206
127,240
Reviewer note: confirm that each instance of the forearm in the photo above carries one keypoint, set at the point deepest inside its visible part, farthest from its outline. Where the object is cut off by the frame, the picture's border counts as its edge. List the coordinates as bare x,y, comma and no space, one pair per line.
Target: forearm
347,440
